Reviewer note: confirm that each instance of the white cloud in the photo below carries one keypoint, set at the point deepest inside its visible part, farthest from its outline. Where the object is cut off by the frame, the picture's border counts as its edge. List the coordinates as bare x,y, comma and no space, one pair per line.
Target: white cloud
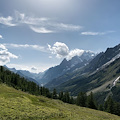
34,68
41,30
7,21
35,47
23,67
68,27
96,33
5,55
75,52
61,50
1,37
38,25
22,18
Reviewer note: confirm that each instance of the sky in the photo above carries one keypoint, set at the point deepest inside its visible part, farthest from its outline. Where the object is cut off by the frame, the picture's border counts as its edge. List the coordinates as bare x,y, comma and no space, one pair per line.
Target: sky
38,34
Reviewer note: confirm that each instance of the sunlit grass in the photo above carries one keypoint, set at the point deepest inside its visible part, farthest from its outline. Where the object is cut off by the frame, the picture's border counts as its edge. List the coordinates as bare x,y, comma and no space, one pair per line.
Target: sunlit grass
17,105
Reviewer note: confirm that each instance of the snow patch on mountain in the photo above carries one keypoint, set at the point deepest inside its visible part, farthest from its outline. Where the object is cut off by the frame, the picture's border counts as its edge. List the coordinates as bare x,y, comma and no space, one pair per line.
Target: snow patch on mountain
115,81
108,63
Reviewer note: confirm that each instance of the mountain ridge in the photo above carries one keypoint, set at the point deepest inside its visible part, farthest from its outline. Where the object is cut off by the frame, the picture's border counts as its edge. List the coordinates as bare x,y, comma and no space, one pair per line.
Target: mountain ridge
67,66
100,60
98,81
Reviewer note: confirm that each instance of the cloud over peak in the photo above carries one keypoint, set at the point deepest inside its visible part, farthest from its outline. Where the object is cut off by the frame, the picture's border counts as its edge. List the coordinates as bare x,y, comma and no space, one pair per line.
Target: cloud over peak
75,52
61,50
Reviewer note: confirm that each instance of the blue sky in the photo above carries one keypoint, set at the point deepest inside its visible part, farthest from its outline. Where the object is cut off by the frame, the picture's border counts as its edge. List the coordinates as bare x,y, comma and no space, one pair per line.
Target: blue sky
38,34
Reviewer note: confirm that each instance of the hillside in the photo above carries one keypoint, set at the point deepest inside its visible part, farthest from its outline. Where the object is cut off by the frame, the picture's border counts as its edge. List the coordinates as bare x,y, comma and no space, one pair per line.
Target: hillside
98,76
103,58
103,82
15,104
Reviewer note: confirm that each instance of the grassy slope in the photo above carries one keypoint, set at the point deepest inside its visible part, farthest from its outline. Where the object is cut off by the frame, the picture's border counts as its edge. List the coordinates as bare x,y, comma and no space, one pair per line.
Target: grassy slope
16,105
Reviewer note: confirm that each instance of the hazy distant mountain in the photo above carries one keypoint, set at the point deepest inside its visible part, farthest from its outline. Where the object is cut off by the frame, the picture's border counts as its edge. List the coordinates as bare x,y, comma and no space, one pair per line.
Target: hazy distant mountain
35,77
27,77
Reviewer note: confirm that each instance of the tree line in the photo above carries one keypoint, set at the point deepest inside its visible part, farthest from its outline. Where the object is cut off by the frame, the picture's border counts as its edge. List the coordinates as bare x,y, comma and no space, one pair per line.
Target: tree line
18,82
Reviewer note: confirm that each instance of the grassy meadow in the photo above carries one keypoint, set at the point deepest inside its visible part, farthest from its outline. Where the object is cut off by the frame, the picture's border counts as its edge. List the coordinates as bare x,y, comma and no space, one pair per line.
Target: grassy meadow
17,105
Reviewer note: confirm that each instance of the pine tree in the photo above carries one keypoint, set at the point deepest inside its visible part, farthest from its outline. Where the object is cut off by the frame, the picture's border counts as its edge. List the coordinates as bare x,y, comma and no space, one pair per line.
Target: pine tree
1,68
54,96
72,100
109,105
117,108
91,102
61,95
67,97
100,107
81,99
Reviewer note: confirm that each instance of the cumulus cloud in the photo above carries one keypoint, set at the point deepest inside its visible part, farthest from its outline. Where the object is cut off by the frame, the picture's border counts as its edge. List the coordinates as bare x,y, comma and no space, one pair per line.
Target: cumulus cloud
61,50
35,47
7,21
5,55
1,37
96,33
75,52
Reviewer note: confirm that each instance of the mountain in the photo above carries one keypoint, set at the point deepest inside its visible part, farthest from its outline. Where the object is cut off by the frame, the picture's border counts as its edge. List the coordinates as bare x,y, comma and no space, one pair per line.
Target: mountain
18,105
27,77
35,77
100,60
101,76
103,58
67,66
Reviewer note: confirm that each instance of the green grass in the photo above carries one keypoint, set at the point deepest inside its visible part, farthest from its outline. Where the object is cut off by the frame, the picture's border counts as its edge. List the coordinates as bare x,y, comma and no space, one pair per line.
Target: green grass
17,105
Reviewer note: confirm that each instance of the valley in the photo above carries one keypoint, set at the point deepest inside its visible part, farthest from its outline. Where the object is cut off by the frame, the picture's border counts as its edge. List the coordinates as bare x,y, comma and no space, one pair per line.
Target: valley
59,60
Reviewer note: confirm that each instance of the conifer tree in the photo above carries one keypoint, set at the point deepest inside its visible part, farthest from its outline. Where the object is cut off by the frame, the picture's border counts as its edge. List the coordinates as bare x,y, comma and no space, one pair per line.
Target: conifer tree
109,105
61,95
81,99
54,96
91,102
67,97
